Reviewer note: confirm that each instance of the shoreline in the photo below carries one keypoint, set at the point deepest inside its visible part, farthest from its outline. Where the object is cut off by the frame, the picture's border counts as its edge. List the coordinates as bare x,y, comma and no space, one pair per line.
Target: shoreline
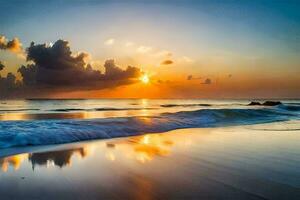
4,152
244,162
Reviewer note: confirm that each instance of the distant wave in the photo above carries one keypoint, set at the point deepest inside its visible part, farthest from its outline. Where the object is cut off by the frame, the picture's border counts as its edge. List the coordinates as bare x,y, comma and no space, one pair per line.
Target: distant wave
184,105
298,104
16,110
67,109
200,105
42,132
97,109
290,107
282,129
53,99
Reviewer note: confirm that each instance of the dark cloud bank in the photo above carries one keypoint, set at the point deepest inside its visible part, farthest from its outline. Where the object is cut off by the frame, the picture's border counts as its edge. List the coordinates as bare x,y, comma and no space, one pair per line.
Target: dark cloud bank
56,68
7,83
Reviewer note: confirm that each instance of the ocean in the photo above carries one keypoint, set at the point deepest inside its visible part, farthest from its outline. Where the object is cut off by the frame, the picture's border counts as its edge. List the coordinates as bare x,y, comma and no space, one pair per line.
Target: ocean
45,122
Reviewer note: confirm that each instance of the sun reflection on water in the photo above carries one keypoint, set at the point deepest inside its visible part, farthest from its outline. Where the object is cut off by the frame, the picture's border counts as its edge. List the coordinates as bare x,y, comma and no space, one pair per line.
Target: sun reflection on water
140,149
14,161
143,148
62,158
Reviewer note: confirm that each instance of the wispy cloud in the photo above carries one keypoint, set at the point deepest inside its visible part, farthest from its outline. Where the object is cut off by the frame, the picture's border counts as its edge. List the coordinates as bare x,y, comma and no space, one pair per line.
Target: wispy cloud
143,49
109,42
164,53
187,59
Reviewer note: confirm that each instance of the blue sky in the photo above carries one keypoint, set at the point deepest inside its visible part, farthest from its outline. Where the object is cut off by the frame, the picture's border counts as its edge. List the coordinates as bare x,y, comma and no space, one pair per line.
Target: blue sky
277,21
248,36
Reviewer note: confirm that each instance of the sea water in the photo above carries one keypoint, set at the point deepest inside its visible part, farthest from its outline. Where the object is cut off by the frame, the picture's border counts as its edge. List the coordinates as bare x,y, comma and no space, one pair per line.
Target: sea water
55,121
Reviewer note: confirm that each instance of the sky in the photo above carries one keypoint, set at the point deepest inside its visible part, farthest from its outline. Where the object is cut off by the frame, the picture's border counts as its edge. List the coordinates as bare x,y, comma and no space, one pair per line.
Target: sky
174,49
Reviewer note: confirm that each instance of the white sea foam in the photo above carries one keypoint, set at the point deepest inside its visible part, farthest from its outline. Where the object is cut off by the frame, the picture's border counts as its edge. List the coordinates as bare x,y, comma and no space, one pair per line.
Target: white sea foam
55,131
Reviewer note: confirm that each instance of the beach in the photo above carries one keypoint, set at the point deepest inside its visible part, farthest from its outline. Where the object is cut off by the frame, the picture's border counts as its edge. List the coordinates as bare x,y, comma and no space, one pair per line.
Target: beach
149,100
237,162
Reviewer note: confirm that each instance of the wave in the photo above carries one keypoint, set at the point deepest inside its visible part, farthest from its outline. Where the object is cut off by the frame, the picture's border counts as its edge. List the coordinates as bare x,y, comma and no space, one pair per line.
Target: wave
16,110
67,109
97,109
54,99
290,107
184,105
271,129
201,105
298,104
42,132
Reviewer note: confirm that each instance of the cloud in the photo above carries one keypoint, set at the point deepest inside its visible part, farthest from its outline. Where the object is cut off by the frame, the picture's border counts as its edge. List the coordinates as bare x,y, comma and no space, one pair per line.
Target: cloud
13,45
167,62
187,59
143,49
29,74
191,77
7,83
1,66
113,72
207,81
56,66
164,53
109,42
163,81
3,42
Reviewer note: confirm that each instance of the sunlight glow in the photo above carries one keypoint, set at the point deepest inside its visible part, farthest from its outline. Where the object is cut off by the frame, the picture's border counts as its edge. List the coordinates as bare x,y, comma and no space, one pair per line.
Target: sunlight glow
145,79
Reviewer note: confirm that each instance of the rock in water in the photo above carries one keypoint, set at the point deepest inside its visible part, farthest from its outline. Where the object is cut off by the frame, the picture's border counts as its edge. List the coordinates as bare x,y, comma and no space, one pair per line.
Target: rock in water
266,103
254,103
271,103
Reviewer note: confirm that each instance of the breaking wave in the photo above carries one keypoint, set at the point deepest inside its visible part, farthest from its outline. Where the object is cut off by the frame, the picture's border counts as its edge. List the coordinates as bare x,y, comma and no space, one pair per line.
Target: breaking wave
55,131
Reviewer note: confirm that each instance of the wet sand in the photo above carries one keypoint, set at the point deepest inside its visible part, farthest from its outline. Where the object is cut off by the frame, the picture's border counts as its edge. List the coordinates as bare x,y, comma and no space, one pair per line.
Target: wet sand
246,162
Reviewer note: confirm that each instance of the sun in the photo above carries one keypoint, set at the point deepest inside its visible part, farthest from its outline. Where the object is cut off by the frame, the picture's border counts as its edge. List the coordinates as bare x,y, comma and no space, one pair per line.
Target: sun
145,79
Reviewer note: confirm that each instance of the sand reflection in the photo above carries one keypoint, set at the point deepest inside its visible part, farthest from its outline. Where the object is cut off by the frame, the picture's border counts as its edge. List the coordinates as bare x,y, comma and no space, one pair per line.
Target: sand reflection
62,158
14,161
150,146
141,148
57,158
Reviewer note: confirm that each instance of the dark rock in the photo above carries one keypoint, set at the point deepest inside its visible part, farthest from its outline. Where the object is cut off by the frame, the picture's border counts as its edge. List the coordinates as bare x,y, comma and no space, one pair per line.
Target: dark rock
271,103
254,103
266,103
